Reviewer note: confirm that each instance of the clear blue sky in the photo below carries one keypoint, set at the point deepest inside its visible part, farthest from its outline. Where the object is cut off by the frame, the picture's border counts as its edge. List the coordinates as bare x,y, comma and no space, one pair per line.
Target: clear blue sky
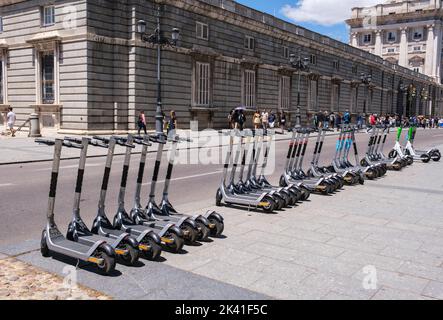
337,31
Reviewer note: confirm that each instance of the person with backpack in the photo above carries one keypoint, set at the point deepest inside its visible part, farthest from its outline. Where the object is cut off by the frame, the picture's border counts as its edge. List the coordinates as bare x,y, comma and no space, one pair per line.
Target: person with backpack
272,119
241,120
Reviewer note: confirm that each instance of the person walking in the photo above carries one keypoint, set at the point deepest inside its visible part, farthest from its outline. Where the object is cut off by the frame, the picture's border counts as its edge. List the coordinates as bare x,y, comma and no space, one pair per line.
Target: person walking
256,119
332,120
241,120
172,123
231,121
282,121
338,119
265,120
347,118
272,120
10,120
142,122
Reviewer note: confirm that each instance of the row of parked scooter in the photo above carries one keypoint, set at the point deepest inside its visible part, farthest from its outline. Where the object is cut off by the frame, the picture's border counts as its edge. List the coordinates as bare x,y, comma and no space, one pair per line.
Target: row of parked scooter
253,190
142,232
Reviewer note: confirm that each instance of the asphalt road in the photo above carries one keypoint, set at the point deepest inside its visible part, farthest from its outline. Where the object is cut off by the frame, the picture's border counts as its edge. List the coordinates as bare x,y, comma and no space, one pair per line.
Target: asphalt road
24,188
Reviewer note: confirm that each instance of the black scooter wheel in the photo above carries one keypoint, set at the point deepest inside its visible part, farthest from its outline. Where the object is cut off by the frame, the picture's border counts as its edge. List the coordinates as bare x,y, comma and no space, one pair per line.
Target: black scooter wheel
44,250
178,244
193,233
410,161
218,198
219,227
108,264
203,234
154,252
271,206
425,158
283,183
132,257
393,154
436,156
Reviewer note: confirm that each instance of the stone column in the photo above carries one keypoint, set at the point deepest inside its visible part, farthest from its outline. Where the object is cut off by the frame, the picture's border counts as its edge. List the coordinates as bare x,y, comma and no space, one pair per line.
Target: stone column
403,47
436,64
429,51
378,43
354,39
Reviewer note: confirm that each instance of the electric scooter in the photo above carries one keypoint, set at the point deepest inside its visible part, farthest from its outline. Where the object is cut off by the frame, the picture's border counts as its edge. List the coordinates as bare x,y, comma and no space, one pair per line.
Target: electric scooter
172,237
125,246
52,241
224,195
210,224
398,151
433,153
290,175
251,188
149,241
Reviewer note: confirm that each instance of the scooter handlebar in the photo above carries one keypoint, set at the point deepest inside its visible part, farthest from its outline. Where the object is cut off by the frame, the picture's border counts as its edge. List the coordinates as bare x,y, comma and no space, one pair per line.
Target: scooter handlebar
66,144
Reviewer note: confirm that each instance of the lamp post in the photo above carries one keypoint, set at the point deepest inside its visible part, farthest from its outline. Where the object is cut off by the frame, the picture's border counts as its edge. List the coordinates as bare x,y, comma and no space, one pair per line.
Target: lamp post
366,79
158,39
299,64
402,88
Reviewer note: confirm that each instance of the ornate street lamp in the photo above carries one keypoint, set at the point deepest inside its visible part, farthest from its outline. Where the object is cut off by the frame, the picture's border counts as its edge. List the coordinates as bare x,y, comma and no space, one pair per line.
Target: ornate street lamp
300,65
158,39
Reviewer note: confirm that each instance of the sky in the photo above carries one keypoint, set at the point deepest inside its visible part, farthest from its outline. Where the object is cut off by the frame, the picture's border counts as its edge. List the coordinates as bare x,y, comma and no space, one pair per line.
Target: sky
323,16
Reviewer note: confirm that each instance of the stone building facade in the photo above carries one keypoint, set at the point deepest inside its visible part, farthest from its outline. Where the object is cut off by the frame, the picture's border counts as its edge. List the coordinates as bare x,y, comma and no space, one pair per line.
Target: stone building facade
82,66
408,33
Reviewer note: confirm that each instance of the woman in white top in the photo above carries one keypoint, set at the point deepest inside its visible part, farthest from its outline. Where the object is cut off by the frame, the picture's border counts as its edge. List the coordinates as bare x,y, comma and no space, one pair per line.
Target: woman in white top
10,119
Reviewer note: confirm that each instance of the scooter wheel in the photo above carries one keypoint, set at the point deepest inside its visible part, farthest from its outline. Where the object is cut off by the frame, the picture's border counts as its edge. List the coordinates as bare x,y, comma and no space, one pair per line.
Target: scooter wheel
219,227
425,158
271,205
410,161
218,198
397,166
203,232
393,154
108,264
154,252
193,233
132,257
178,244
44,245
283,183
436,156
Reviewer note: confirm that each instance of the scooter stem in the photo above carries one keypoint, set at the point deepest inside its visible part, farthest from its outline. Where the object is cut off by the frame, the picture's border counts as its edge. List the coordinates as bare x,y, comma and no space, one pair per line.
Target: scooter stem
124,180
54,178
80,175
105,182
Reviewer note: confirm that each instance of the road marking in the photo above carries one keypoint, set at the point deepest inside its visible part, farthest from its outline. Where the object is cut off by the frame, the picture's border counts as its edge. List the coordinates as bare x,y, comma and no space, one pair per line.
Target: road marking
188,177
6,185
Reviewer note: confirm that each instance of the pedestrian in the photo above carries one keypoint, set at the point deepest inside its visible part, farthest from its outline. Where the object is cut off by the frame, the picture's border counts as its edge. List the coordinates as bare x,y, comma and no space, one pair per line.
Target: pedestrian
241,120
272,119
347,117
172,123
257,119
231,119
141,122
282,121
265,119
10,120
372,120
332,120
320,119
338,121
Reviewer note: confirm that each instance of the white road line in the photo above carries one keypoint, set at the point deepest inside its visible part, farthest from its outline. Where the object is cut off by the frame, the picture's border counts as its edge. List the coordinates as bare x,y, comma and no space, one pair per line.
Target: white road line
188,177
6,185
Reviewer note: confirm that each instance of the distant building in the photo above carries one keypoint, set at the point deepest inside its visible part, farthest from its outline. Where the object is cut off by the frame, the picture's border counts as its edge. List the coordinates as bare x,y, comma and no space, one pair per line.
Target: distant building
81,65
408,33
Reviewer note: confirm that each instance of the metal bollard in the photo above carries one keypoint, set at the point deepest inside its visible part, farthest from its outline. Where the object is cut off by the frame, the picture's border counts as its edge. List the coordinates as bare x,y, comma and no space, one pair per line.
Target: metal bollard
34,127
